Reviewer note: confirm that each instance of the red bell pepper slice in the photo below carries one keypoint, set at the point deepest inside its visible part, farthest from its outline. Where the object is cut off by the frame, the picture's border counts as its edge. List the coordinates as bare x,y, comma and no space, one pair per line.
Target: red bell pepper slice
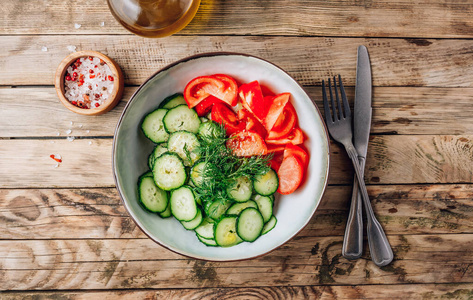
296,137
205,106
290,174
275,110
251,123
223,114
252,99
220,86
247,143
285,123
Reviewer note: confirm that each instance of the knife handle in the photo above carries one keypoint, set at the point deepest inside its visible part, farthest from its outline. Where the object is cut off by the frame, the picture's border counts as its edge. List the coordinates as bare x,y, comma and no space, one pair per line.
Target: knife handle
353,240
380,249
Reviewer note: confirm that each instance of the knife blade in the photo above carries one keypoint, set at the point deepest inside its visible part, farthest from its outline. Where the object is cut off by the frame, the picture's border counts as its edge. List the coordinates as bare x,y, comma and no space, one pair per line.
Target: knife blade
362,109
353,240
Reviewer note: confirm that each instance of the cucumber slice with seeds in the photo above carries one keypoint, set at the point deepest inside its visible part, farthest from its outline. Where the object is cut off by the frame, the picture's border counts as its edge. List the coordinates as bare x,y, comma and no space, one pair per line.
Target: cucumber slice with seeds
194,223
197,172
250,224
206,228
237,208
152,197
241,190
217,209
158,150
210,130
181,118
183,205
269,225
169,172
266,184
225,232
207,242
153,126
173,101
186,145
265,206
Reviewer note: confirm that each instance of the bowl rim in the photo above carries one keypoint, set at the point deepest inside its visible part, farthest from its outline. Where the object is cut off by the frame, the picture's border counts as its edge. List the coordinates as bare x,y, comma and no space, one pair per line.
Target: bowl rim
118,85
169,66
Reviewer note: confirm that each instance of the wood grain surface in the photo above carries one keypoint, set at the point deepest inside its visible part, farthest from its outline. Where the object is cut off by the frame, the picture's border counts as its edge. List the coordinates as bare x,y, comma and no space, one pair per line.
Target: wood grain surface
396,110
99,213
305,260
392,159
426,18
395,62
335,292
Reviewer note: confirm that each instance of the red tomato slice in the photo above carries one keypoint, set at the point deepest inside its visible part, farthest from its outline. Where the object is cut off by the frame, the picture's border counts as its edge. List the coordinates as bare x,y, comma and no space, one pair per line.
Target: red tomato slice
200,88
275,148
229,95
296,137
252,99
205,106
266,91
251,123
290,175
293,150
223,114
247,143
275,110
285,123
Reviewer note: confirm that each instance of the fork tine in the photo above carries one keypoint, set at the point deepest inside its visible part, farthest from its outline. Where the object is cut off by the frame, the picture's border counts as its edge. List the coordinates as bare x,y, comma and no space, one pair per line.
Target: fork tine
334,109
328,116
344,98
340,111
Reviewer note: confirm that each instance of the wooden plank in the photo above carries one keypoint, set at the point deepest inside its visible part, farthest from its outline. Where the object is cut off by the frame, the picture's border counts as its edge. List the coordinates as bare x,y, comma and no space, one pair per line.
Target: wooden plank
395,62
140,263
401,110
391,160
398,291
99,213
335,18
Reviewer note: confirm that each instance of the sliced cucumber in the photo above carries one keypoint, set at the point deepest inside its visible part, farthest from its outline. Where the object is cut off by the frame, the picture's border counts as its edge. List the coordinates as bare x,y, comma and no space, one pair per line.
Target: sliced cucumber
225,232
269,225
158,150
196,173
208,242
183,205
241,190
147,174
217,209
236,208
186,145
169,172
210,130
192,224
265,206
206,229
266,184
250,224
181,118
204,119
153,126
173,101
152,197
167,213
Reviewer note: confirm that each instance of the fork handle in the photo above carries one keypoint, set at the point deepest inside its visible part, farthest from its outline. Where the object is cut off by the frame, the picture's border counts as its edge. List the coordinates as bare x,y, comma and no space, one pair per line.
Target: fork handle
353,240
380,249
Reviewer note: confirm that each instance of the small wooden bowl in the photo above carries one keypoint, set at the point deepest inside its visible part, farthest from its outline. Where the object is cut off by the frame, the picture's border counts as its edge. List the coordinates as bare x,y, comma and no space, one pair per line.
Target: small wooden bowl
114,97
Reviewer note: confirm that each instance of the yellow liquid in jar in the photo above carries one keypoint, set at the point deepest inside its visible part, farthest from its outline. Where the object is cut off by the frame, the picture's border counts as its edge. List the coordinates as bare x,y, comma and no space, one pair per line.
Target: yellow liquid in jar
154,18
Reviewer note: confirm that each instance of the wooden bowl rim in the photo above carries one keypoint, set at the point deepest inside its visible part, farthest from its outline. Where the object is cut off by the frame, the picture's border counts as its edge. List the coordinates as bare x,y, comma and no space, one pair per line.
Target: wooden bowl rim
114,97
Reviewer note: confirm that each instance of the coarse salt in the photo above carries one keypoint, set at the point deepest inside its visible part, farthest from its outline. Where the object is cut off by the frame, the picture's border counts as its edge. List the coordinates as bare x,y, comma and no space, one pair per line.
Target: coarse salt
90,143
56,165
87,131
70,123
70,138
80,125
71,48
77,26
102,24
68,131
44,49
57,133
89,81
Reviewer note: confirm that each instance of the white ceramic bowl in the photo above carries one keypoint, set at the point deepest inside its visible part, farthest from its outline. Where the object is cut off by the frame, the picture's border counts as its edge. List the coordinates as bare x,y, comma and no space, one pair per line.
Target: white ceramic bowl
131,149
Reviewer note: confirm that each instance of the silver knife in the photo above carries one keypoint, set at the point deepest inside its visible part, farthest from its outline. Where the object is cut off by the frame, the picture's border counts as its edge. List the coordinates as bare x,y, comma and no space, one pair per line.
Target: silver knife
380,249
353,240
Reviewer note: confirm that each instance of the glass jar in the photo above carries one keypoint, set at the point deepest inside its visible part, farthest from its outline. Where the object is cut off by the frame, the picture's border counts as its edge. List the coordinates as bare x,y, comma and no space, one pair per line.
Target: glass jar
154,18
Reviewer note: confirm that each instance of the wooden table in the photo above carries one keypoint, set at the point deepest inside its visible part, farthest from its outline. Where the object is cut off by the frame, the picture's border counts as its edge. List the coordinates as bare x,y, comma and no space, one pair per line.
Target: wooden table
64,231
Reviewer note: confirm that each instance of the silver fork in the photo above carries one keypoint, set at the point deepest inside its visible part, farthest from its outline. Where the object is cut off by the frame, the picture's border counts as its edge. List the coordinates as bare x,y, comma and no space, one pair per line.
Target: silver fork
340,128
